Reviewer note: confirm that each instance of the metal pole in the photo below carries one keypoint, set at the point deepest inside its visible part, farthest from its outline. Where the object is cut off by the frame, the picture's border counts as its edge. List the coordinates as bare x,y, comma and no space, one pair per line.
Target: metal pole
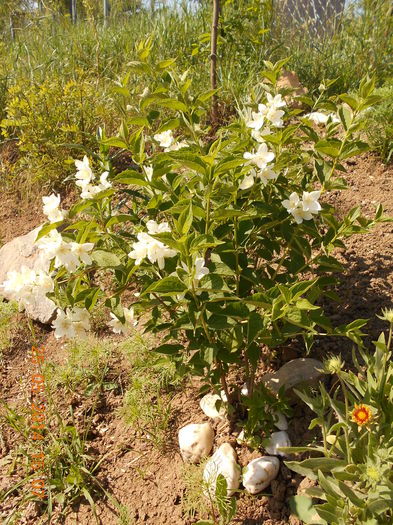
12,29
73,11
106,9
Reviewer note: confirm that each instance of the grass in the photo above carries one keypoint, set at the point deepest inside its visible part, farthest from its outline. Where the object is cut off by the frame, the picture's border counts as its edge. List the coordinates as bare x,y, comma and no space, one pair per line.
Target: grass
87,368
8,310
147,401
57,81
379,124
72,464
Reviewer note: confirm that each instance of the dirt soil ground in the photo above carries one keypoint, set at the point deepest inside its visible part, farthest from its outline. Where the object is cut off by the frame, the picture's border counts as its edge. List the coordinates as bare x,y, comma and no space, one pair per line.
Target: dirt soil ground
150,482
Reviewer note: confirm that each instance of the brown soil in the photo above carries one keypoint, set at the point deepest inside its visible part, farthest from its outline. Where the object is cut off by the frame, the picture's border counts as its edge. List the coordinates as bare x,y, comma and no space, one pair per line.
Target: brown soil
150,482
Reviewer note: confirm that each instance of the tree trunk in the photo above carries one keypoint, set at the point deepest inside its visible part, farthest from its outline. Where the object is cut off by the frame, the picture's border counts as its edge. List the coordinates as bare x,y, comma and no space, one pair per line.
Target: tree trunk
213,57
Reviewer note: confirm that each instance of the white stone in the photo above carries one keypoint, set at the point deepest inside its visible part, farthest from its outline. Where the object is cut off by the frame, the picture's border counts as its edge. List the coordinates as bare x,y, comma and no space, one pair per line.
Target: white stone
280,421
222,462
259,473
224,396
241,439
209,404
277,440
195,441
244,390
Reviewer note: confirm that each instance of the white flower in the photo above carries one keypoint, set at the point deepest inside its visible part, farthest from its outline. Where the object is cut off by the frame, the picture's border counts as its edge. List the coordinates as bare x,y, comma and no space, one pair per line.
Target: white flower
275,102
310,201
261,157
79,331
72,324
303,209
64,256
292,203
80,316
259,135
299,214
51,208
104,183
84,172
258,118
165,139
50,243
275,117
145,92
248,181
140,248
153,227
178,145
82,251
158,252
266,174
147,246
20,285
197,273
148,172
273,113
44,282
118,327
63,325
90,191
321,118
200,269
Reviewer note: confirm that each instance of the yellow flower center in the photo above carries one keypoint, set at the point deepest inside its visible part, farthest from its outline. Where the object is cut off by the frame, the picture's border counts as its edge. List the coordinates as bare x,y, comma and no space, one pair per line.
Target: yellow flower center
361,414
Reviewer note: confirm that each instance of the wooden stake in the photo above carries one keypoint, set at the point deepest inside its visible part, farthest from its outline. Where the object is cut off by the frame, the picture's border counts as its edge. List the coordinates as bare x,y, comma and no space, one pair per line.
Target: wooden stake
213,57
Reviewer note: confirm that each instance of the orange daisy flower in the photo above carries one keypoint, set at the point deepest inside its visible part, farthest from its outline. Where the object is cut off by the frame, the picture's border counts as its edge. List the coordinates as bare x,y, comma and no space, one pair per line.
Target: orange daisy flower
361,415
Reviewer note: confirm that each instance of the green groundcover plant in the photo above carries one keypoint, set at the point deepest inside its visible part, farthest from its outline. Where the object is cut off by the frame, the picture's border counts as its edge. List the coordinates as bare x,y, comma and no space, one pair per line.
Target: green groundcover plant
224,239
354,474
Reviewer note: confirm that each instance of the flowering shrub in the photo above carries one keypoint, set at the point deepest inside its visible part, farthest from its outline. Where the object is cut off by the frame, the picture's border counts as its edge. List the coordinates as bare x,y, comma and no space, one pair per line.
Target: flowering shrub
355,476
225,240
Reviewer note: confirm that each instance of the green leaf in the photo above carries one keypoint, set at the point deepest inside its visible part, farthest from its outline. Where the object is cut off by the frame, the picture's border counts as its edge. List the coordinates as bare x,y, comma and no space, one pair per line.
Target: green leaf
92,297
46,228
168,349
116,142
310,467
351,495
352,101
207,95
167,286
164,64
354,148
304,304
105,259
117,219
329,147
303,508
171,103
185,220
255,325
131,177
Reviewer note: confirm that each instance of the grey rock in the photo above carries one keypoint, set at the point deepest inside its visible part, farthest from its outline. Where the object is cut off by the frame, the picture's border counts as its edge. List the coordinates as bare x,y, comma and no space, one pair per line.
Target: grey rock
19,252
296,373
